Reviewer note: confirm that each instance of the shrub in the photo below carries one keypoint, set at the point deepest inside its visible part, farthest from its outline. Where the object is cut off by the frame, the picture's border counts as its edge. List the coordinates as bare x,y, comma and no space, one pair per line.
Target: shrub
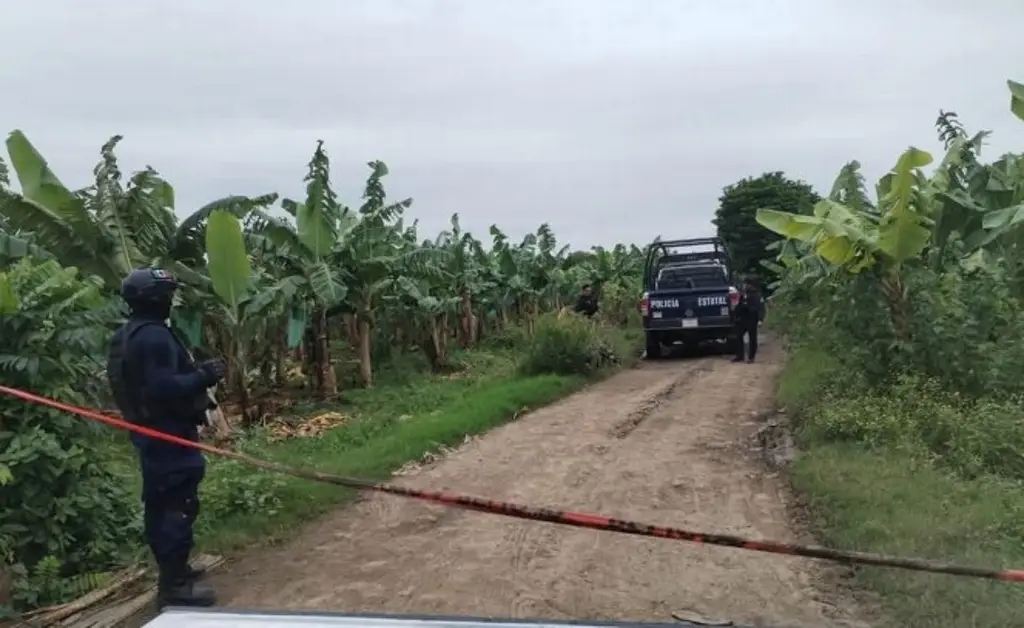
64,514
507,337
568,344
232,489
923,416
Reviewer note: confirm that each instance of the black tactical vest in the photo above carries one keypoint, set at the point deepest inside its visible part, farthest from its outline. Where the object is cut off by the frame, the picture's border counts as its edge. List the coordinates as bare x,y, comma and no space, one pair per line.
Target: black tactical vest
125,388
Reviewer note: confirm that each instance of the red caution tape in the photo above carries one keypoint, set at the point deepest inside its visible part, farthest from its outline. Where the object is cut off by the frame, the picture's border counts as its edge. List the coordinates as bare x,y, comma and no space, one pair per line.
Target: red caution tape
563,517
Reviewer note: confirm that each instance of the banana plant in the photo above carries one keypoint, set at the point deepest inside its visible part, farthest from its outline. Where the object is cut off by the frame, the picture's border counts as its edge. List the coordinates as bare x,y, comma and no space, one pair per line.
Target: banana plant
466,278
231,276
374,254
854,241
106,229
432,313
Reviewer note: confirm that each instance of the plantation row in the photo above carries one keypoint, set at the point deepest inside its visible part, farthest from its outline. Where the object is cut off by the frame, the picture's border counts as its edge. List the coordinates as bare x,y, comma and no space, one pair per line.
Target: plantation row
903,311
303,298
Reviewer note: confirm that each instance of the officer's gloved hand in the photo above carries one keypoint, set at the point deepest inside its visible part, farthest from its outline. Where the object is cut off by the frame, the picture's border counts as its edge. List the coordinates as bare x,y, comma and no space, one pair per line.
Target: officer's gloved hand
213,371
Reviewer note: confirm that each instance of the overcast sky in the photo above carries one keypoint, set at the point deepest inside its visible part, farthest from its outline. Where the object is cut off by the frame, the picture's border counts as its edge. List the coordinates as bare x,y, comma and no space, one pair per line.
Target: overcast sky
611,120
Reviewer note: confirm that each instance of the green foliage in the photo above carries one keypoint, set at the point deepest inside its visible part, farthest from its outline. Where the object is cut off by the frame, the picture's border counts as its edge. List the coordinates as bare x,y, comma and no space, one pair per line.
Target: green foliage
569,344
746,242
509,337
236,490
904,376
65,514
322,300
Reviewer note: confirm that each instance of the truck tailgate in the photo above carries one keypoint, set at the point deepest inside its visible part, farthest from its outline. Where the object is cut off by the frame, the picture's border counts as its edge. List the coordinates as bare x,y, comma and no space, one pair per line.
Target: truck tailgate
688,308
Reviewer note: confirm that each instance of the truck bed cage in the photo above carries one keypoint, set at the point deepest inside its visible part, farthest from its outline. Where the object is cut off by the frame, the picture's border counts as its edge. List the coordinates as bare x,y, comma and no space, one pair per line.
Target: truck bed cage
660,251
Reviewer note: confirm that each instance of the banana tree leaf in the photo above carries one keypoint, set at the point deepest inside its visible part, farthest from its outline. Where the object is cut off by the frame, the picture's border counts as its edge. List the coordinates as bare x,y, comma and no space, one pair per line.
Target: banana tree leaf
836,250
298,319
327,285
792,226
1004,218
228,261
9,303
900,182
40,185
234,204
315,230
190,325
12,247
22,214
902,237
1016,98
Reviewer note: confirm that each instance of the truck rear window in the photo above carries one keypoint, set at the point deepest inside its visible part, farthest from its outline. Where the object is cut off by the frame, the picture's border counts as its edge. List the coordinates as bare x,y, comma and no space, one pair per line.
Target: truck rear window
693,278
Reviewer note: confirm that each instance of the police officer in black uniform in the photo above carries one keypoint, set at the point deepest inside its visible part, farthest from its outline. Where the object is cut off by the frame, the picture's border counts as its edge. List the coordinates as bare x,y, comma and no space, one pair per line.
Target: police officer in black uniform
747,316
156,384
586,302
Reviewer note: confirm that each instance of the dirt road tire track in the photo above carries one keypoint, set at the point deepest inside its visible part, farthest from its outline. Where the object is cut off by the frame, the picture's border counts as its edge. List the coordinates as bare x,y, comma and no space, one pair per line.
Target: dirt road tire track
669,443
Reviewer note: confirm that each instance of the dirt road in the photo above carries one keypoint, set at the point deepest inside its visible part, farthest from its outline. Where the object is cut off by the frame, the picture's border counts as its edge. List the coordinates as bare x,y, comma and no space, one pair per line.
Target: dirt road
670,442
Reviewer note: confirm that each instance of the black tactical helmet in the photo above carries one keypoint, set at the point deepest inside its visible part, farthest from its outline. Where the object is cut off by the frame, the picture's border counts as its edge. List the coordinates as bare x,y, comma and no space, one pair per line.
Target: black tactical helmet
148,284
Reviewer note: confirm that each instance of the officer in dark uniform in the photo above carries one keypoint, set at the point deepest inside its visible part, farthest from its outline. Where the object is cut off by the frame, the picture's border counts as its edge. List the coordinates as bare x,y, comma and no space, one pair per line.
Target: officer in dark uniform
747,316
156,384
586,303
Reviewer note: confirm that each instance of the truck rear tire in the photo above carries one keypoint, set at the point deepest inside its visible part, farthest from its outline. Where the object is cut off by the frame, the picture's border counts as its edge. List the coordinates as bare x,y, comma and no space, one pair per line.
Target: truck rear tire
653,346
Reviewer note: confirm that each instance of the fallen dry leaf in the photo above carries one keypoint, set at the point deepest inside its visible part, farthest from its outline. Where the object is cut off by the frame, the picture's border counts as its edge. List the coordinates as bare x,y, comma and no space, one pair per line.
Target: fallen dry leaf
309,427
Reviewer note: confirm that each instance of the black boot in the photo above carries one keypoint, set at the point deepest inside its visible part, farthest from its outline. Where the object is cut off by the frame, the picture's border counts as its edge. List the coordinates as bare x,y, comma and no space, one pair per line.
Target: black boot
176,588
194,574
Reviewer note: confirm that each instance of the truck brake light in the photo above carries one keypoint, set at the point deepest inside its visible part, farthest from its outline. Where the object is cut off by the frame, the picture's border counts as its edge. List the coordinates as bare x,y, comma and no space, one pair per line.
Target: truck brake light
734,297
645,305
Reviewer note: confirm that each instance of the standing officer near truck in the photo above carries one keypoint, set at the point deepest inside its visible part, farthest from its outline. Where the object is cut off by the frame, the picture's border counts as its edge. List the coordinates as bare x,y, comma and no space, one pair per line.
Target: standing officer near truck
747,317
157,385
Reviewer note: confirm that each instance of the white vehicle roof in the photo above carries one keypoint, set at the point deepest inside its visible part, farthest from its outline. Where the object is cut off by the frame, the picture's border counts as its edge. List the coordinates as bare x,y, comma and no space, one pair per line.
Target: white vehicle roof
188,618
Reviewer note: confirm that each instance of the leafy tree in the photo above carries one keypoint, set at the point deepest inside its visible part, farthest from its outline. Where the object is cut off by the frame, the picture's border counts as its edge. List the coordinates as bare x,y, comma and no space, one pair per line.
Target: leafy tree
746,241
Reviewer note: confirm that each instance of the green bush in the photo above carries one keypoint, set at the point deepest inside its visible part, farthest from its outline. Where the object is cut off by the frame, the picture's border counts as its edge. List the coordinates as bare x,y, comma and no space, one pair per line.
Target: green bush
973,436
507,337
569,344
232,489
65,517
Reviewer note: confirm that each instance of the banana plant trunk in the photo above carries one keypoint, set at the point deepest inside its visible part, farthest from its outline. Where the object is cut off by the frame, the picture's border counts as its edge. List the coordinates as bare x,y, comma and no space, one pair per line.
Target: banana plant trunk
328,383
435,344
280,351
351,330
896,295
467,321
480,325
365,359
309,362
236,373
530,310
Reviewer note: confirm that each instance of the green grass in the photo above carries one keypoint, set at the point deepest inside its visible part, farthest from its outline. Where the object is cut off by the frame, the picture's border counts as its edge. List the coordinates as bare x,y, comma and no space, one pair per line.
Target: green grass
886,502
405,416
899,501
409,412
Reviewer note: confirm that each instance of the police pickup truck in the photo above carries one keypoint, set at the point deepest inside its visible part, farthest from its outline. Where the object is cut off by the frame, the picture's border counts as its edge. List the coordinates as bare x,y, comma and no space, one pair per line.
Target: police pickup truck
688,296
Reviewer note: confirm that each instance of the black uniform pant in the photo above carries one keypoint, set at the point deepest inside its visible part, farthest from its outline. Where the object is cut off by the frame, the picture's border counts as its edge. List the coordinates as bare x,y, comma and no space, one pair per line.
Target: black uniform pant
746,327
171,506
